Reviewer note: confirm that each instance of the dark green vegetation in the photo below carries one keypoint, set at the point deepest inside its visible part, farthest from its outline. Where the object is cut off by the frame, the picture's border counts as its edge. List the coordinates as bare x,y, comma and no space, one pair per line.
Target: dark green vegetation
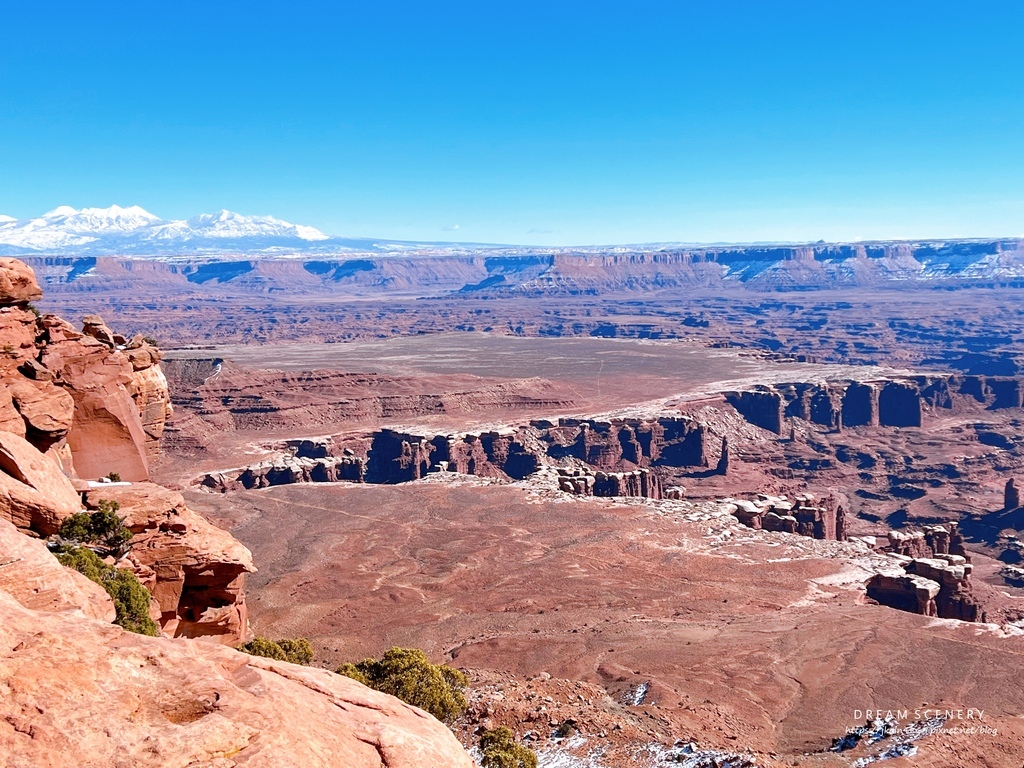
103,528
500,750
408,674
297,650
131,599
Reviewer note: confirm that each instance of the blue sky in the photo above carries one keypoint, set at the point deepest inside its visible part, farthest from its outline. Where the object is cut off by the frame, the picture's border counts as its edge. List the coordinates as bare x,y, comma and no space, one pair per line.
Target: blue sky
525,122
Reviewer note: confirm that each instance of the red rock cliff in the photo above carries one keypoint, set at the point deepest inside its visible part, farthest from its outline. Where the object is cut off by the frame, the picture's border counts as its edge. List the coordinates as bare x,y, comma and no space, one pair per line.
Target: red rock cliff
78,405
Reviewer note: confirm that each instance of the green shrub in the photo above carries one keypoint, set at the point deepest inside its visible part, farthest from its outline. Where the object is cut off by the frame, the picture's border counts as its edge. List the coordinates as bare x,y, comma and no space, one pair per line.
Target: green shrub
262,646
297,650
103,527
407,674
500,750
114,477
351,670
131,599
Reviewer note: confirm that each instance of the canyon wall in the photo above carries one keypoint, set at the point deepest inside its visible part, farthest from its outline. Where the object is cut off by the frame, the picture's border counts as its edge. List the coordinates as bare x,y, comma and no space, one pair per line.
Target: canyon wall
893,402
617,454
546,272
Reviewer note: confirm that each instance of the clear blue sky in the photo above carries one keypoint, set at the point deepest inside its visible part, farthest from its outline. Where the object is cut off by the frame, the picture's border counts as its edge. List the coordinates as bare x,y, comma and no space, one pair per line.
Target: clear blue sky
525,122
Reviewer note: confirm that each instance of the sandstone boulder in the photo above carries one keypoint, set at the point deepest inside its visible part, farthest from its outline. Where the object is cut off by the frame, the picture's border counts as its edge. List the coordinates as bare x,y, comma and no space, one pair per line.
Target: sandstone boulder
34,493
18,330
17,283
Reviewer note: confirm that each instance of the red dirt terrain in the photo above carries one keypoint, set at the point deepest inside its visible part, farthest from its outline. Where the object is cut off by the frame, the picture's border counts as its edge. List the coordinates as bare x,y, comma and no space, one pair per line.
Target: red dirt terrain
740,639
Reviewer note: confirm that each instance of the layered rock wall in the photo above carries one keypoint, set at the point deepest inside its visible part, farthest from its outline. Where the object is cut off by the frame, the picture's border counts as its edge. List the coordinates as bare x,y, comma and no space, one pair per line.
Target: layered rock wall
887,403
613,450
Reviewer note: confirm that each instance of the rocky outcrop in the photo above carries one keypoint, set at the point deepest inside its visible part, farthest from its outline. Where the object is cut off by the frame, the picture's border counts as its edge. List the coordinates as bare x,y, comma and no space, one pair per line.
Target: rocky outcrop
613,444
93,396
396,457
900,402
1011,495
287,470
803,515
17,283
899,405
931,541
932,586
639,483
83,404
34,493
860,405
194,570
913,594
81,692
112,397
762,407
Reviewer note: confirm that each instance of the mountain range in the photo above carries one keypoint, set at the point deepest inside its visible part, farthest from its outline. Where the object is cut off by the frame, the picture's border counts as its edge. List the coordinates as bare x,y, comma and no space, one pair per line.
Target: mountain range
136,231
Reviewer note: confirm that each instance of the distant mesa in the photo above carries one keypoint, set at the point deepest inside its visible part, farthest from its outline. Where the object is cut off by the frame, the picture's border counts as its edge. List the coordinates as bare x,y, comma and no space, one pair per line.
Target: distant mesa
475,268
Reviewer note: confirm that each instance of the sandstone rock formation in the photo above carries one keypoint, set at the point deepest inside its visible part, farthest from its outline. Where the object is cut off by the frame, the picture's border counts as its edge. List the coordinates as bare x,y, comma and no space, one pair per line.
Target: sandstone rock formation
34,493
762,407
932,586
931,541
79,405
112,397
194,570
33,577
92,397
616,447
1011,495
887,403
639,483
82,692
17,283
287,470
802,515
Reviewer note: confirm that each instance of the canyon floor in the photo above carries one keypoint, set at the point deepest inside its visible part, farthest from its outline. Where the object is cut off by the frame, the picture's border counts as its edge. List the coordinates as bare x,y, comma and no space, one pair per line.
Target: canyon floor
742,640
648,624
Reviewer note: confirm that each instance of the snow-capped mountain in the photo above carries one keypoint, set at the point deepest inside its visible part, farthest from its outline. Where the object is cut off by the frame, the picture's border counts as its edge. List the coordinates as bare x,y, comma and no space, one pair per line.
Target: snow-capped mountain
133,230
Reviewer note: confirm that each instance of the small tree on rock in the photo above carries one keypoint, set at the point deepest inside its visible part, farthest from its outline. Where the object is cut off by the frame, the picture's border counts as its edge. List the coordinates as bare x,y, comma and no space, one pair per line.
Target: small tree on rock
407,674
103,528
130,598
